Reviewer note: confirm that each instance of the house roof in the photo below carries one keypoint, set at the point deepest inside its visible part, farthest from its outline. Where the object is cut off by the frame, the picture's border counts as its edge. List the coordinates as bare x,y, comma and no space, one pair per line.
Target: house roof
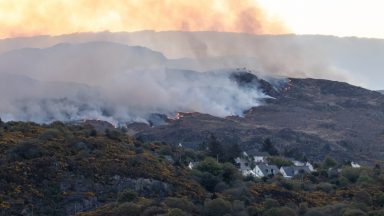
265,167
294,170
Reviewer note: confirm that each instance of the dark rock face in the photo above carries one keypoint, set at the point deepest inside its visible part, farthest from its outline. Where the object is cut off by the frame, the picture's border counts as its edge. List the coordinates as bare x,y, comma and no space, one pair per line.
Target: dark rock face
310,117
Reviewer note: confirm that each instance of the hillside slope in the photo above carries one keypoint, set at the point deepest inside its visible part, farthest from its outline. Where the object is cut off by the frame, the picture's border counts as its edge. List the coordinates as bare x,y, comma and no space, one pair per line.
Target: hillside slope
309,117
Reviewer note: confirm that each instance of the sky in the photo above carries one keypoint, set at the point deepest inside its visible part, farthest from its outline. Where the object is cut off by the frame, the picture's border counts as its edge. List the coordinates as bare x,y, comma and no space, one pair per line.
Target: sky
361,18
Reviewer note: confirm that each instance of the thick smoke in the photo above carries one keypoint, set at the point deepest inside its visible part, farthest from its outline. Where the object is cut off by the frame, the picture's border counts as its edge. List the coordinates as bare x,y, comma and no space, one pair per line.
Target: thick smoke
111,82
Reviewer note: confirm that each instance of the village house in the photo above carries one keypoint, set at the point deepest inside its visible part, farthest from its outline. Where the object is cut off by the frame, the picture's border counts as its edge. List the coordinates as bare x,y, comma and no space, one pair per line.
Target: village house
355,165
258,157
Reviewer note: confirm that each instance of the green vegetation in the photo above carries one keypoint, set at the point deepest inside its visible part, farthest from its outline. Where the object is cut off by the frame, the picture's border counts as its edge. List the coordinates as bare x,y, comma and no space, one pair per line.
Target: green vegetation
61,169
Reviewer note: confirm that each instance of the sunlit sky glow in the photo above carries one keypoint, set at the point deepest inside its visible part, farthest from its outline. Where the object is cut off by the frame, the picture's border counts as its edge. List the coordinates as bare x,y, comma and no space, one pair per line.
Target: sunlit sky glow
361,18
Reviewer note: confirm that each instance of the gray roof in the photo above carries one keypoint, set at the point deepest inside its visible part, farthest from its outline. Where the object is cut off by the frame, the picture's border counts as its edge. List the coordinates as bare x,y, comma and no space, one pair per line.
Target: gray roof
294,170
266,169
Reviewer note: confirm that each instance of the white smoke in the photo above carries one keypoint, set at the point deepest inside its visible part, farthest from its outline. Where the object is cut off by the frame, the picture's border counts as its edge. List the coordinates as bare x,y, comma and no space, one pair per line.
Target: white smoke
126,97
119,80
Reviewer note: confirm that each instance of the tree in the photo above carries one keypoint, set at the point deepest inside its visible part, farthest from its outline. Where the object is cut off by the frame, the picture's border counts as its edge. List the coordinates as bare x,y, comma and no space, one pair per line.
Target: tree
230,173
232,152
329,162
209,181
210,165
215,148
269,147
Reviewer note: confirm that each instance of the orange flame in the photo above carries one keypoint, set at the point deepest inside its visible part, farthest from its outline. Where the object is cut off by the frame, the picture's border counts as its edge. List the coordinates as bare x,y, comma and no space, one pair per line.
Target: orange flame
55,17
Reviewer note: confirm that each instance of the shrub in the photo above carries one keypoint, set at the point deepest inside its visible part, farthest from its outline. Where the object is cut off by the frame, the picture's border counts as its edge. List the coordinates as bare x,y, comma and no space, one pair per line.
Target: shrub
253,211
113,134
180,203
364,179
343,181
50,134
127,195
217,207
326,187
363,197
271,203
238,206
351,174
25,151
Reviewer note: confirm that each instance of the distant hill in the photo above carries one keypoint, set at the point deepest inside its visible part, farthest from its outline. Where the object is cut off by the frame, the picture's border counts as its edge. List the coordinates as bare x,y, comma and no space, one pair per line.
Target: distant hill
90,62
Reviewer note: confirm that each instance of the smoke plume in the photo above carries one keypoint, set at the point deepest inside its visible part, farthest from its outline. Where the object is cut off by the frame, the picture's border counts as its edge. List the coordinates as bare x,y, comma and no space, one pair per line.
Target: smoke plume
112,82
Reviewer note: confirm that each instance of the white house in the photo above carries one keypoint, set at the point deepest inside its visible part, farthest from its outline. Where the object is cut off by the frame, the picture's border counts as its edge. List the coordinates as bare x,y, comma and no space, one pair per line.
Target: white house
259,159
191,164
355,165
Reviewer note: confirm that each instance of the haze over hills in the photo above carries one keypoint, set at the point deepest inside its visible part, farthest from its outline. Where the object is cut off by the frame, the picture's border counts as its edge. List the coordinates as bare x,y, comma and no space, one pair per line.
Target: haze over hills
327,57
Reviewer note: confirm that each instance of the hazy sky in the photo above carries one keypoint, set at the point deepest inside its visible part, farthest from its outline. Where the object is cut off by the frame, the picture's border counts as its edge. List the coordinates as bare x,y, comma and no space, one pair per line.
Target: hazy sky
362,18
